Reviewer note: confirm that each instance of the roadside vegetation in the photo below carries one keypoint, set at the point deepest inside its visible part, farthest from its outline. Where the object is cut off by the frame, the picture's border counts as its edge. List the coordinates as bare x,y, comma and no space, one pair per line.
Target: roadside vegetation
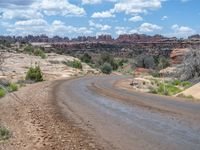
169,87
2,92
74,64
106,68
36,51
7,87
4,133
34,74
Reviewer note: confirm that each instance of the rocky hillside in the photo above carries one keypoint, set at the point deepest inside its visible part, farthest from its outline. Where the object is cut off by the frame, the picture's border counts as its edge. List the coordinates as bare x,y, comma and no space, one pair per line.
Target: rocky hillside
16,65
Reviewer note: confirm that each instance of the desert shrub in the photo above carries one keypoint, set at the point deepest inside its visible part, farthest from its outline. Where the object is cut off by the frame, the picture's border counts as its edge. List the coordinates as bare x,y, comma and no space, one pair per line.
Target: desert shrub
165,89
4,133
29,49
186,84
176,82
106,68
122,61
107,58
12,87
34,74
75,64
114,65
39,52
2,92
86,58
144,61
163,63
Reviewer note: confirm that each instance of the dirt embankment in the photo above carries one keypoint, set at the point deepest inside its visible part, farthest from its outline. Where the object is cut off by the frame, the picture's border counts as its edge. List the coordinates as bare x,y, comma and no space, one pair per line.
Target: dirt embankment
35,123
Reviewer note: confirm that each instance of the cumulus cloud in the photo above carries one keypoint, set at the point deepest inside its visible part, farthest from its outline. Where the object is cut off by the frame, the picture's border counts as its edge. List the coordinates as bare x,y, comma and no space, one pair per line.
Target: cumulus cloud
148,27
59,7
181,31
21,14
32,22
99,26
133,7
143,28
91,1
136,18
104,14
164,17
28,9
121,30
137,6
40,26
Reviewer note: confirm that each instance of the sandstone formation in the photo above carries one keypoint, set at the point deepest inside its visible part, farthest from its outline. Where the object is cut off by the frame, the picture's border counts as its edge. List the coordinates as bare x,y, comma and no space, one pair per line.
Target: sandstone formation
177,55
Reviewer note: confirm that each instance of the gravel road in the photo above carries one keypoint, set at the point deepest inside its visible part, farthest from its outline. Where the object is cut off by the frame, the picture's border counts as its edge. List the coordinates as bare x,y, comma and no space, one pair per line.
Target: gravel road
119,119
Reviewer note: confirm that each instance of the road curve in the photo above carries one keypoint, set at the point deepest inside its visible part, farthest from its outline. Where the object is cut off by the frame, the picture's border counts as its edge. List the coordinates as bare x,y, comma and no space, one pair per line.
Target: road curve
119,119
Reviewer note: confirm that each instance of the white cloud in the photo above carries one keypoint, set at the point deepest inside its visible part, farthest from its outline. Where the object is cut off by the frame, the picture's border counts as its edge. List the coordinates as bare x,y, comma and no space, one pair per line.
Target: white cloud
137,6
32,22
30,9
164,17
148,27
91,1
21,14
121,30
182,31
133,7
104,14
96,1
136,18
99,26
59,7
39,26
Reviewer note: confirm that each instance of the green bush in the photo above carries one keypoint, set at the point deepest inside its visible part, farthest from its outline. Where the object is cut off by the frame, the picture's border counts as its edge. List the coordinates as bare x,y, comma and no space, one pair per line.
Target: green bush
86,58
165,89
106,68
2,92
107,58
176,82
144,61
163,62
29,49
12,87
186,84
75,64
39,52
4,133
34,74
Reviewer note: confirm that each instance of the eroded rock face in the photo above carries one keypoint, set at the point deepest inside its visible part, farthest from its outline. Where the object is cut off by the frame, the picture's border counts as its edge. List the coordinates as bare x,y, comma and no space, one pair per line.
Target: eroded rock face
177,55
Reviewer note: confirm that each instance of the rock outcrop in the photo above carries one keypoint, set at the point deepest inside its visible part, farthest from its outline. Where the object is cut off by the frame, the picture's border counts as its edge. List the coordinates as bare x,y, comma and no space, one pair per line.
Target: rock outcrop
177,55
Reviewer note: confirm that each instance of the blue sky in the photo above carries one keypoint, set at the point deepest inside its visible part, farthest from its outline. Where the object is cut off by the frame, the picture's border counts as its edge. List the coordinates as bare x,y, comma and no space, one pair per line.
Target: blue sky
72,18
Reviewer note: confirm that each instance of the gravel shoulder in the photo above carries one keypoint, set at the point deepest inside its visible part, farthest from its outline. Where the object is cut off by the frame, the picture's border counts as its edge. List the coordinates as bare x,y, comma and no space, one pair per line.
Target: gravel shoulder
36,124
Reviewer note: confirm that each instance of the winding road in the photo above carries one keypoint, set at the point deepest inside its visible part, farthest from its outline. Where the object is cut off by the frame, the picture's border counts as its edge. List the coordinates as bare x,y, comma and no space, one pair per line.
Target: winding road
123,120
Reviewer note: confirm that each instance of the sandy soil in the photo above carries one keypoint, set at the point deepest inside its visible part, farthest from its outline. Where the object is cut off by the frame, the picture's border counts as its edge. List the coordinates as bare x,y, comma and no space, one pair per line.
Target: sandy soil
36,124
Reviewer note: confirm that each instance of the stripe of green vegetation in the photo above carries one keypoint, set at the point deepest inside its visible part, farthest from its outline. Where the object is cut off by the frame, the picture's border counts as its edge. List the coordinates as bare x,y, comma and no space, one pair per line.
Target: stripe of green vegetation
12,87
4,133
2,92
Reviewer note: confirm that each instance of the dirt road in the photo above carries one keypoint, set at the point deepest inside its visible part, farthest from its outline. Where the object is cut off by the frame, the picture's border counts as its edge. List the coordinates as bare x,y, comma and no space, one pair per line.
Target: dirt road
93,113
119,119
